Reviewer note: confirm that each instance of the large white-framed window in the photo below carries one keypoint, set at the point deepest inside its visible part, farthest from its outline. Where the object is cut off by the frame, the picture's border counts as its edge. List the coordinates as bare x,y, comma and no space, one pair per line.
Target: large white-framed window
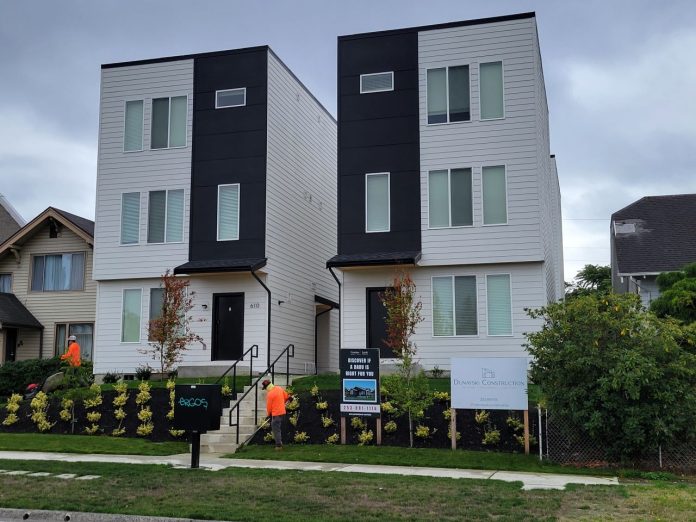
454,306
165,216
84,332
228,98
450,198
228,212
58,272
6,283
376,82
130,218
168,126
499,304
377,204
494,187
448,94
491,90
133,127
130,315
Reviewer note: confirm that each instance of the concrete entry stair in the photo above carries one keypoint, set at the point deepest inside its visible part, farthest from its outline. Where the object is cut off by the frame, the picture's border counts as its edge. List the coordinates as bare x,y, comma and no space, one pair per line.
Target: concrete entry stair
224,440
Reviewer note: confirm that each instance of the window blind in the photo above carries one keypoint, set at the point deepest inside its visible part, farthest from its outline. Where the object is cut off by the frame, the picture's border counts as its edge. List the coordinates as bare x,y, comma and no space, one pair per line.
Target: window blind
130,327
228,212
130,218
133,133
499,305
377,187
494,196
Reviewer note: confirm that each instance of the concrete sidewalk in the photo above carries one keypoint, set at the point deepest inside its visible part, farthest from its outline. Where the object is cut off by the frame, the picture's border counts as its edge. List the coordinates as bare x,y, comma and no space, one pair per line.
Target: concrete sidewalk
216,463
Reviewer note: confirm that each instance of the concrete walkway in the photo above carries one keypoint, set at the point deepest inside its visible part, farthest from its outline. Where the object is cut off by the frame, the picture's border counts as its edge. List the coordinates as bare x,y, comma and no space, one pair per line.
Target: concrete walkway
216,463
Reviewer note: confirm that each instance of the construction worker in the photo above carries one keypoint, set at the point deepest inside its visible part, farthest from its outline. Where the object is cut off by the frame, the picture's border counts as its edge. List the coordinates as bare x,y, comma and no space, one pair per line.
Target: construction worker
72,356
275,408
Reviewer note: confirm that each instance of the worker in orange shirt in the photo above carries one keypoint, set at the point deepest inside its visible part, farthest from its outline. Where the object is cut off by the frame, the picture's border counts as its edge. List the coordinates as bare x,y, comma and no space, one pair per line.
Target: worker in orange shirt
72,356
275,408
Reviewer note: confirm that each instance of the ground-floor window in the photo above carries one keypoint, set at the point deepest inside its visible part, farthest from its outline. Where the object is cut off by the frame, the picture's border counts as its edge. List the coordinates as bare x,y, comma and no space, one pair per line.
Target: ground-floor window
84,334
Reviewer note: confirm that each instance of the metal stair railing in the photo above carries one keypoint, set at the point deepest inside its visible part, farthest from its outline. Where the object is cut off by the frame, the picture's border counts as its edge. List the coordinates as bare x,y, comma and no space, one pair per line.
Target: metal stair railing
254,350
288,351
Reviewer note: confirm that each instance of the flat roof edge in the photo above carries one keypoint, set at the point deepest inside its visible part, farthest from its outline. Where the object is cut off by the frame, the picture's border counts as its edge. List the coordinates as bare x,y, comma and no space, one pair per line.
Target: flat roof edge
163,59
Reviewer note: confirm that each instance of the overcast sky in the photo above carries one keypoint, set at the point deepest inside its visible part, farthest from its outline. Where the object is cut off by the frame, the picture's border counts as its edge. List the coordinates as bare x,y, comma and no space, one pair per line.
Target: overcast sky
620,79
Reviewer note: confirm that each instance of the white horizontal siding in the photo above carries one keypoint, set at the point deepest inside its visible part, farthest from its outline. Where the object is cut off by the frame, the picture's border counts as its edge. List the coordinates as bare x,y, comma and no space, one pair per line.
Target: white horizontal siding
300,212
528,291
512,141
140,171
111,355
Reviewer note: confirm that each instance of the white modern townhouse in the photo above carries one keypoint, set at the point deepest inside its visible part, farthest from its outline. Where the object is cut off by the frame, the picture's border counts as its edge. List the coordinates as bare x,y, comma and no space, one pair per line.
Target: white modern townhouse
444,170
221,168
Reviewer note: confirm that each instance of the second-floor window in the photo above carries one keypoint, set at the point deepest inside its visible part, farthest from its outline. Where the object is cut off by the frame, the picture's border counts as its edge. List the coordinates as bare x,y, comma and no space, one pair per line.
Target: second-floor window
450,198
499,299
168,122
454,306
228,212
448,94
494,195
130,218
58,272
130,315
165,219
6,283
377,202
491,90
133,131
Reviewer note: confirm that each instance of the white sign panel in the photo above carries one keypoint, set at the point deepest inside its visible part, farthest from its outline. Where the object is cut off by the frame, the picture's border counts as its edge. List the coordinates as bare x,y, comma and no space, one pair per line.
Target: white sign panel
360,408
491,383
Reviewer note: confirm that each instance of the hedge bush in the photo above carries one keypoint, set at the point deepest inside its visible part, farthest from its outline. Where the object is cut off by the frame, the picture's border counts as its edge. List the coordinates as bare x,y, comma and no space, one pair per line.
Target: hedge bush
15,376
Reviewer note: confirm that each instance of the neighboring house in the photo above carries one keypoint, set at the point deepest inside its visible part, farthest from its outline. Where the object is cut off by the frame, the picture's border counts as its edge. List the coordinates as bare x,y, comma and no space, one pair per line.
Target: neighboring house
444,171
221,167
47,288
10,221
652,235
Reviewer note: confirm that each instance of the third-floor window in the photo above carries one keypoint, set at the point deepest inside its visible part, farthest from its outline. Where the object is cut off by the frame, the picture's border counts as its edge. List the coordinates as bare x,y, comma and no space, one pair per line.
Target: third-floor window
448,94
377,202
168,122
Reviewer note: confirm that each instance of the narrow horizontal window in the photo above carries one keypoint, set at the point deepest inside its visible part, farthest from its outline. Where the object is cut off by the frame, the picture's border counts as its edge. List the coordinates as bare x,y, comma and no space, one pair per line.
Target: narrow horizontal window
133,132
491,90
450,198
499,300
130,316
228,212
494,195
230,98
448,97
130,218
169,117
454,306
376,82
377,202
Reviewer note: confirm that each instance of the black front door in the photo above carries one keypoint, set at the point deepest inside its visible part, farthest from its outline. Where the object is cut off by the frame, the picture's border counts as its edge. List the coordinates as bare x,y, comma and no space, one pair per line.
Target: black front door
10,344
376,323
228,327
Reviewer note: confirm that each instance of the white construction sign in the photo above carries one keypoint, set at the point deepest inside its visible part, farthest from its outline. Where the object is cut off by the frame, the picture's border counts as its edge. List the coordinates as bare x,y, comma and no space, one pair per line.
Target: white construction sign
490,383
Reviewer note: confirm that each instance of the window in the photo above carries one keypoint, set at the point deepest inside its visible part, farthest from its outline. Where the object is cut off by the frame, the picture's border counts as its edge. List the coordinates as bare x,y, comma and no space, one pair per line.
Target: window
130,218
376,82
454,306
84,333
133,132
491,90
6,283
156,304
165,218
228,212
494,196
130,318
450,198
169,122
448,94
230,98
499,304
377,202
58,272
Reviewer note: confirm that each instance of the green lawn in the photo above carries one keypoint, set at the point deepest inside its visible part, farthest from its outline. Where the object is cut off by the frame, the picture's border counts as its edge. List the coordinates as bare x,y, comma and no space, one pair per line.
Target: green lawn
252,495
242,380
88,444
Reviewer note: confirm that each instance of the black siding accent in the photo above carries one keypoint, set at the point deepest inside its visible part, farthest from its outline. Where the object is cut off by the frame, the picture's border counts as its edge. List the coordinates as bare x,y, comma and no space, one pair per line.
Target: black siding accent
378,132
229,146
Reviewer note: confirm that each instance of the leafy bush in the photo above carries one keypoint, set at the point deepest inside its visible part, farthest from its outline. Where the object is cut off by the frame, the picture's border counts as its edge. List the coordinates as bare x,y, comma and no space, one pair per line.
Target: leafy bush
357,423
678,294
390,427
301,437
12,407
491,437
422,432
143,373
616,373
437,372
16,375
332,439
365,437
111,378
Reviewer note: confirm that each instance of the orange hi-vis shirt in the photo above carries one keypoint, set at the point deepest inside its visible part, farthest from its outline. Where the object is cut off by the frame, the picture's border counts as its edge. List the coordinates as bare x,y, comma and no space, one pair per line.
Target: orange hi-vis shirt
72,355
275,401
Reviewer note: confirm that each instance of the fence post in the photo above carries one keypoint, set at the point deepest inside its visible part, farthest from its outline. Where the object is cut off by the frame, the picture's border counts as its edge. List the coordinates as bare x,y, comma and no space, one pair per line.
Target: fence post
453,427
526,432
541,445
343,430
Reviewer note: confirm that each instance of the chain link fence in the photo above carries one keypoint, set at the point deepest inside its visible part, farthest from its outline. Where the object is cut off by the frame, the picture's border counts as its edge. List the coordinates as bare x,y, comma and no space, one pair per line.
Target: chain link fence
564,444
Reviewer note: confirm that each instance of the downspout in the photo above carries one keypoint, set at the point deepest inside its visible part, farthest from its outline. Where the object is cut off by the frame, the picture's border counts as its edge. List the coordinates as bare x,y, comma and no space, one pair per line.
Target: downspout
268,320
316,343
41,332
340,305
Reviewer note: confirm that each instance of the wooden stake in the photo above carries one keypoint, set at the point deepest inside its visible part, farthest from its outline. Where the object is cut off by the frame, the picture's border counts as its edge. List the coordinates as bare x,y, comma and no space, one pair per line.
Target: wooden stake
343,430
379,431
453,427
526,432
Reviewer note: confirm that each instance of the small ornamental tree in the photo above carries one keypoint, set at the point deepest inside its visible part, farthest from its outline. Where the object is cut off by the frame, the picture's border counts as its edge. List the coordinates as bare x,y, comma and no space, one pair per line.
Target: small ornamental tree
170,334
616,373
408,388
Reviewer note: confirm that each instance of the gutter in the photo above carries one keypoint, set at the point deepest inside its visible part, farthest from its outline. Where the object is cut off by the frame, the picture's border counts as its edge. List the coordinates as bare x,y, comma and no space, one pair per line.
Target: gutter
268,321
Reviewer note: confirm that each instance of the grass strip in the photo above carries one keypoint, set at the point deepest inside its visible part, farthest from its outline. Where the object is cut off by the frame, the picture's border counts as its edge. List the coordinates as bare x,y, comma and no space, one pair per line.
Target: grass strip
88,444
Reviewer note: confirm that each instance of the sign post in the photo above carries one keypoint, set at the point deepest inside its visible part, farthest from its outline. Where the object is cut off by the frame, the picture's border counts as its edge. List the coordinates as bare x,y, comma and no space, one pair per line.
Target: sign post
490,383
197,409
360,386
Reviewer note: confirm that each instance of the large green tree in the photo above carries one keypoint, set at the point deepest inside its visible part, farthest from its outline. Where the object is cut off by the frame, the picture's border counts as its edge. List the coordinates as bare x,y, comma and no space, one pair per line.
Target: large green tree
677,294
590,280
616,373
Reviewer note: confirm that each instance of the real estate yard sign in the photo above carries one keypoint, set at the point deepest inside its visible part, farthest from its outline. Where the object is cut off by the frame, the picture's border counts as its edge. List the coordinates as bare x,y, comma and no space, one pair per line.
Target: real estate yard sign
491,383
359,382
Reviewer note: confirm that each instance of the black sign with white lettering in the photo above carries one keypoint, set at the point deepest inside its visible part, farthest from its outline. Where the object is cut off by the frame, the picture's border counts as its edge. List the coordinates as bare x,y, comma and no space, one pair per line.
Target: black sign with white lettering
360,382
197,407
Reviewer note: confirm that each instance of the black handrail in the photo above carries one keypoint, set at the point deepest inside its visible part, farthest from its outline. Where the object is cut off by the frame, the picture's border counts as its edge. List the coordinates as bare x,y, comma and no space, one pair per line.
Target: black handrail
288,351
254,349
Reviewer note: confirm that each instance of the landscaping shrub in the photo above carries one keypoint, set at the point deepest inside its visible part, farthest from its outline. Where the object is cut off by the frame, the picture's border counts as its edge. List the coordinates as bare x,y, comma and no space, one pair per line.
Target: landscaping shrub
111,378
143,373
16,375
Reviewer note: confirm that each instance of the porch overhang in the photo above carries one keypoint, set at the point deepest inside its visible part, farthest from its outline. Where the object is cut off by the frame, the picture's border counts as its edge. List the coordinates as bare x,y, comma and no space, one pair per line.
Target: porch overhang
379,259
213,266
13,314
